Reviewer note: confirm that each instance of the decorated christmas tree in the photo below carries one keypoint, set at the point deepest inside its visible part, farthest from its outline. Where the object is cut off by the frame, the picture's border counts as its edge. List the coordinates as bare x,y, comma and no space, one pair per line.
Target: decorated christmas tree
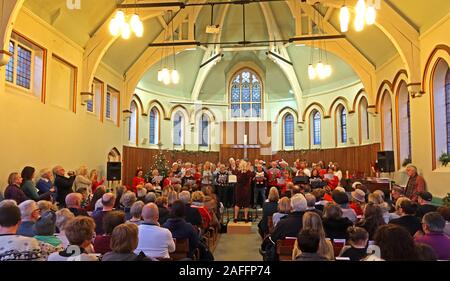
160,163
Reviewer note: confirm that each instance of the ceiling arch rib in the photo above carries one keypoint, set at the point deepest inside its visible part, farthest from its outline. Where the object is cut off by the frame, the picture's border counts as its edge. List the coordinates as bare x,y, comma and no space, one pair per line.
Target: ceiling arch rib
280,50
9,9
101,41
152,55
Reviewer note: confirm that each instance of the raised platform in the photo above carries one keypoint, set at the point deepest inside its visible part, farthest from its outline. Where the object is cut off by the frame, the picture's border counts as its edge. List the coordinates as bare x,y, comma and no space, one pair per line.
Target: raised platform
239,228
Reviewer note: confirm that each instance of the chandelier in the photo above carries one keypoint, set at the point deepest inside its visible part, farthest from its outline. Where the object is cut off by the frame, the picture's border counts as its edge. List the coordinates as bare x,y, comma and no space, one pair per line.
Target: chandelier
124,25
365,14
165,75
322,69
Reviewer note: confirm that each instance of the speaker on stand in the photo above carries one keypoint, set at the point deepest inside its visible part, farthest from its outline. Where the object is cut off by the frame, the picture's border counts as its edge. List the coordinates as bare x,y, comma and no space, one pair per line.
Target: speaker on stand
113,172
386,164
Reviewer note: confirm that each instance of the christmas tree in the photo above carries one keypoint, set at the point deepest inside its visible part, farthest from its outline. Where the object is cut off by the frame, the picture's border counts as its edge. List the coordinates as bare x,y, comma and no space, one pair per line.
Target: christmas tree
159,163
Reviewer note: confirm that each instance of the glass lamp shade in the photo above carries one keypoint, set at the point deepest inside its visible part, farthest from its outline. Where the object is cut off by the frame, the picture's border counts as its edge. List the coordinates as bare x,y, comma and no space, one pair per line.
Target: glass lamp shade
175,77
360,8
120,17
160,76
370,15
126,31
311,72
320,70
359,23
136,25
114,27
344,18
327,70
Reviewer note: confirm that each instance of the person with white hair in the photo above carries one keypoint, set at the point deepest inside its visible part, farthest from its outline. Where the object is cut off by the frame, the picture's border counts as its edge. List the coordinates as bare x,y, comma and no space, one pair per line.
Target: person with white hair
45,182
291,224
154,241
127,200
63,217
192,215
136,212
63,184
82,180
415,183
30,213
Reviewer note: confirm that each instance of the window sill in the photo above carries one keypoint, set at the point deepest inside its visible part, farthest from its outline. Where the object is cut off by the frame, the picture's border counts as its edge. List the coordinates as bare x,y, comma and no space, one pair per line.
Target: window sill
17,90
442,169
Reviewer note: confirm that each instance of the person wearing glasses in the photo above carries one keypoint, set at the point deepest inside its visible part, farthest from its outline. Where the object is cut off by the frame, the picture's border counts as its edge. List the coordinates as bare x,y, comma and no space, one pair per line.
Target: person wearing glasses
30,213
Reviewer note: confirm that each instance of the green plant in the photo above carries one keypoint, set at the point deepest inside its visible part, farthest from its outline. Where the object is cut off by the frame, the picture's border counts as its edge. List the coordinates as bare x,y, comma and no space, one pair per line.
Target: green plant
444,159
446,200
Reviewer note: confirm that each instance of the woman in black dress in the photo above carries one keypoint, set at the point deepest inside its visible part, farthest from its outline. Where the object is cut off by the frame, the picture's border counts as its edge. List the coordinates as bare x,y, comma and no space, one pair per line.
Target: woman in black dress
242,197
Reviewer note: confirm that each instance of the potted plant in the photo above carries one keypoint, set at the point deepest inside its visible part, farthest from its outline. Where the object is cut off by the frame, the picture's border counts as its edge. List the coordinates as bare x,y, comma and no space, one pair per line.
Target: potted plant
446,200
444,159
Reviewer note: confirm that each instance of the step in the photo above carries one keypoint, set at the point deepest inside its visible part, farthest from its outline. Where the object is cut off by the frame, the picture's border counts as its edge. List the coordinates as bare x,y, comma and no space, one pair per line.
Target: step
239,228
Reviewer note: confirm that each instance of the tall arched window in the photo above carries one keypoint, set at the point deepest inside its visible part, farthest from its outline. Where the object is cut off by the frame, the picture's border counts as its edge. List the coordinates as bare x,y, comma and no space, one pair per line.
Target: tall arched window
154,126
132,124
364,119
386,110
246,95
441,96
178,129
404,123
342,123
315,127
204,131
288,130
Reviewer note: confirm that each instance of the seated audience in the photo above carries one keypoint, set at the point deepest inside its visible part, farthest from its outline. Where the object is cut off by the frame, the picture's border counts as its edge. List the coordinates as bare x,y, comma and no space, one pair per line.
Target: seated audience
110,221
198,199
154,241
425,206
313,222
334,223
149,198
433,225
358,202
395,243
308,243
44,184
30,214
341,199
136,212
63,184
284,208
45,234
63,217
13,190
311,201
82,179
320,202
29,188
127,200
396,193
45,206
397,212
97,196
14,247
163,209
445,213
358,238
79,232
108,201
425,252
120,190
124,241
172,196
73,203
290,225
142,192
269,208
373,218
181,229
192,214
377,198
408,217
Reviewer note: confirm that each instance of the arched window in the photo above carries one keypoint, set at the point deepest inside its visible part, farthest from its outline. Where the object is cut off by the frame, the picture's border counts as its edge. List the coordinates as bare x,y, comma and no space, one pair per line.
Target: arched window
178,129
132,123
288,130
154,126
315,127
204,131
441,96
386,111
404,123
246,95
364,119
342,122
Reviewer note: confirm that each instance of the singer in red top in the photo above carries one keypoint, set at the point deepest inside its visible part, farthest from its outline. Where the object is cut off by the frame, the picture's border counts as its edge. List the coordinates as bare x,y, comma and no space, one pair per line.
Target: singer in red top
138,180
243,195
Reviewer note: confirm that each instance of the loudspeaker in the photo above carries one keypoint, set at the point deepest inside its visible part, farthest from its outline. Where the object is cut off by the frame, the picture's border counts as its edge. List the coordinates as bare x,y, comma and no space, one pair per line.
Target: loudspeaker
114,171
386,161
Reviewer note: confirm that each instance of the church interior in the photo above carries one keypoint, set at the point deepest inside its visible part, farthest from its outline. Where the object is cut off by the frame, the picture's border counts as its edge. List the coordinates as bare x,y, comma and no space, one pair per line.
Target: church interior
365,84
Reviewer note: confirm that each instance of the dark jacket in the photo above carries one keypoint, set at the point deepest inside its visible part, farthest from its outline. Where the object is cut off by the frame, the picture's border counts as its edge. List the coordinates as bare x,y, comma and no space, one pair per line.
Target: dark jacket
424,209
288,226
311,257
163,215
26,229
183,230
64,187
269,208
79,212
13,192
410,222
112,256
336,228
98,218
192,216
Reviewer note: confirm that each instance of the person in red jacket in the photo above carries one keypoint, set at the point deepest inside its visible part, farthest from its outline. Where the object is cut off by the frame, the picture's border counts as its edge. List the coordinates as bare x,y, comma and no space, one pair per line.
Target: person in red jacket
137,180
331,180
95,182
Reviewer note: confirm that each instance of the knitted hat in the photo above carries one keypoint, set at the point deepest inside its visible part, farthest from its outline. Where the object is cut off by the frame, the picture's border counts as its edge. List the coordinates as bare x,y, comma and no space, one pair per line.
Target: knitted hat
45,225
359,195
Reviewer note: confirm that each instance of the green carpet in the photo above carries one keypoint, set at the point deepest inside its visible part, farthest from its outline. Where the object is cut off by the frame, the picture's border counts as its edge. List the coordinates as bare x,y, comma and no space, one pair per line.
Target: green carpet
239,247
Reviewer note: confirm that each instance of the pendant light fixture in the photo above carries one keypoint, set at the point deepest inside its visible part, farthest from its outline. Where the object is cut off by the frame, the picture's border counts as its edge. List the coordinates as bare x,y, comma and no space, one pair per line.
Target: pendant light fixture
344,18
165,75
123,25
322,69
365,13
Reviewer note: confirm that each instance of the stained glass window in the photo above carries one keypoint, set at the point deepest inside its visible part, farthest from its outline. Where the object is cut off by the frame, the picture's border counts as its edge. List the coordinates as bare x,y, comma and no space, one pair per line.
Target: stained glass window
204,131
154,122
288,130
178,129
316,127
246,95
343,121
10,65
